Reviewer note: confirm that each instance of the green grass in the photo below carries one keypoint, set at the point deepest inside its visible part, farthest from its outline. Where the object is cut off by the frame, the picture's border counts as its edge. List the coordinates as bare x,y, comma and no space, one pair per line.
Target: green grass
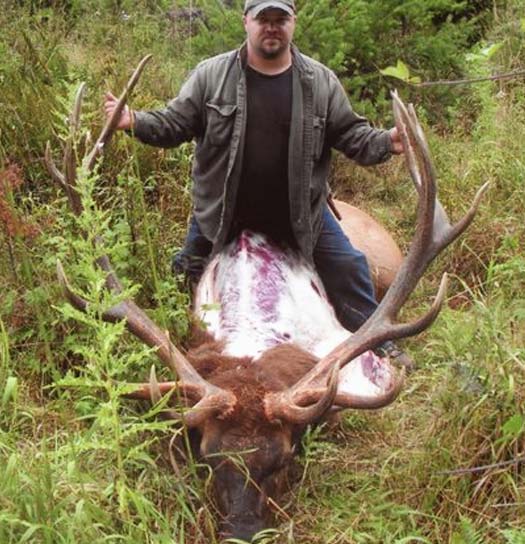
79,464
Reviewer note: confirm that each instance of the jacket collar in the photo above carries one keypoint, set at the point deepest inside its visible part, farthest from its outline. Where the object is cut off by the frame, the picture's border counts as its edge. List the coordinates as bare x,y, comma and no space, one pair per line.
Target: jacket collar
299,61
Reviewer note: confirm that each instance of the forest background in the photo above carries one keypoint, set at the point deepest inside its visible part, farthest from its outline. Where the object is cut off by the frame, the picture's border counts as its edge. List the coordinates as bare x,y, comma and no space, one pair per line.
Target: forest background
444,464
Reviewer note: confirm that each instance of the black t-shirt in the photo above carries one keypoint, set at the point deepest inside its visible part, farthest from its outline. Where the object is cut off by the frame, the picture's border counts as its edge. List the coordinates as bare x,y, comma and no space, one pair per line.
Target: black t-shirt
262,199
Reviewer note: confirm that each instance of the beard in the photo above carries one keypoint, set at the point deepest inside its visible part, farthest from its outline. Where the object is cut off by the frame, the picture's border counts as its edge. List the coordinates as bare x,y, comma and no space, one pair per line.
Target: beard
273,51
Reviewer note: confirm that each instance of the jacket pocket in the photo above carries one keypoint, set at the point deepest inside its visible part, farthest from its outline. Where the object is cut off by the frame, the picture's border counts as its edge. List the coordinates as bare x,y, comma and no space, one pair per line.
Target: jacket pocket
318,137
219,124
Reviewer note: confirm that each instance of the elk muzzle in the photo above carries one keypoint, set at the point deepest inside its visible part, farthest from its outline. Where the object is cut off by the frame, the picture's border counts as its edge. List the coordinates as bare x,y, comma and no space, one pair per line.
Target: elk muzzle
242,504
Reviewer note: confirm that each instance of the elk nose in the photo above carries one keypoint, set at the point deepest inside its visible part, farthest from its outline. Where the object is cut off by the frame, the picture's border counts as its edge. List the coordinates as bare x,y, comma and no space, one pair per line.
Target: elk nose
241,529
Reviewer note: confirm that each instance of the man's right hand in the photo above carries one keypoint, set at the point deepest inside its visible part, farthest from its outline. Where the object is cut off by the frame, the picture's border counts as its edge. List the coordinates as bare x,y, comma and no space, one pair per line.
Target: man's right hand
126,117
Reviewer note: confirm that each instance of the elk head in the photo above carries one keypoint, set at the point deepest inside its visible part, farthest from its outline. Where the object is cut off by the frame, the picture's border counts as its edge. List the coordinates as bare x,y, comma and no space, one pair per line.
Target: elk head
249,414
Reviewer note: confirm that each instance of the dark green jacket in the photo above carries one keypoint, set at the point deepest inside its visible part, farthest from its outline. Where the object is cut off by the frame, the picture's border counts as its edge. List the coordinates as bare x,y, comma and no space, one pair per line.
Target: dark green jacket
211,108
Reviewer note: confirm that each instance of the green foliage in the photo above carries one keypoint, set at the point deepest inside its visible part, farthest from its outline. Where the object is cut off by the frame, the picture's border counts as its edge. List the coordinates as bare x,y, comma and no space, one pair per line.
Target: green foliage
8,382
112,448
81,464
400,71
221,30
356,38
468,534
32,70
515,536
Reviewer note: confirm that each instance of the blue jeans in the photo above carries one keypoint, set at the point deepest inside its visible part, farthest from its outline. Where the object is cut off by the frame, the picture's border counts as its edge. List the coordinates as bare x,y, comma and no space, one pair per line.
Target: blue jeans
345,274
342,268
192,259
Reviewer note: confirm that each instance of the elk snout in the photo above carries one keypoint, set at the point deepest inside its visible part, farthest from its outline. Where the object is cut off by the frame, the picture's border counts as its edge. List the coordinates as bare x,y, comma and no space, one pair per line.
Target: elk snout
242,527
243,506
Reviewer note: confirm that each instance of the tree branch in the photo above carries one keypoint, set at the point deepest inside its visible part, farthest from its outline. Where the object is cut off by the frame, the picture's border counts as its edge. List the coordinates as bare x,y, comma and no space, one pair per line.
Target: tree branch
450,82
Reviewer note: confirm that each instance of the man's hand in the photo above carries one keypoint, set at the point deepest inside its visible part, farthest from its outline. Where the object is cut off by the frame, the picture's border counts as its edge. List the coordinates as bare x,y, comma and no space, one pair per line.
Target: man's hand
397,144
126,117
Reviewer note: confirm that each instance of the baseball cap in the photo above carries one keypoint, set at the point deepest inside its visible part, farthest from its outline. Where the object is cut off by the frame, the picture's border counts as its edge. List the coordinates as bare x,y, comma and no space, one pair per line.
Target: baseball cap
256,6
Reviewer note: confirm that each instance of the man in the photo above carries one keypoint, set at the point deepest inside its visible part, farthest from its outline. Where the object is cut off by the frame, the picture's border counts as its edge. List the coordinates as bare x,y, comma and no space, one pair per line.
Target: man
264,119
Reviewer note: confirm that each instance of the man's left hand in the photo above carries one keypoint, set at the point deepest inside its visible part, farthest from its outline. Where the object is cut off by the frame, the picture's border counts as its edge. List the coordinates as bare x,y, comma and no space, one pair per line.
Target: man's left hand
397,144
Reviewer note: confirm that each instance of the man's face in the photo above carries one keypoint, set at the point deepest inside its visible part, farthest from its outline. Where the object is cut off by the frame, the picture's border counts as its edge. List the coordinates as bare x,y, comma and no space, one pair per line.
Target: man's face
270,33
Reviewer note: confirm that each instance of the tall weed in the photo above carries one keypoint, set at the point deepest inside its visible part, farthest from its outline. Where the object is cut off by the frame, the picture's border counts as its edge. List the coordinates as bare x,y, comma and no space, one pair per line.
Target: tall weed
80,464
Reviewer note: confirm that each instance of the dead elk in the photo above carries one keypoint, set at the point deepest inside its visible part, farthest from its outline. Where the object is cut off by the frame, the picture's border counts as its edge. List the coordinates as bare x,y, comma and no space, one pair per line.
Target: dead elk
279,360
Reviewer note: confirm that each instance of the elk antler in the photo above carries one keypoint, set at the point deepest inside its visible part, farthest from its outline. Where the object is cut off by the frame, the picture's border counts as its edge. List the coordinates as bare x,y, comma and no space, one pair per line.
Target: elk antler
433,233
212,399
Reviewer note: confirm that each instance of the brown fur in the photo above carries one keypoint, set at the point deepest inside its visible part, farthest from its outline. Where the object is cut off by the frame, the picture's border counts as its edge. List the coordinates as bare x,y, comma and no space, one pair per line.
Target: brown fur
366,234
277,369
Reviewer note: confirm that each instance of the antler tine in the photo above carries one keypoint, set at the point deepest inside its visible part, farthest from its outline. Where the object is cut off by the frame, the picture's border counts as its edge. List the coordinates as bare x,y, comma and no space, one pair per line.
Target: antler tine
156,394
154,391
213,399
52,168
312,407
443,232
212,403
111,124
413,141
70,160
74,118
433,233
67,177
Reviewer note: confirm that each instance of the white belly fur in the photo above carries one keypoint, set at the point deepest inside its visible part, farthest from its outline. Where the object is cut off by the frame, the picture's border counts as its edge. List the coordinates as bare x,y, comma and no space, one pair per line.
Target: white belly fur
255,295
